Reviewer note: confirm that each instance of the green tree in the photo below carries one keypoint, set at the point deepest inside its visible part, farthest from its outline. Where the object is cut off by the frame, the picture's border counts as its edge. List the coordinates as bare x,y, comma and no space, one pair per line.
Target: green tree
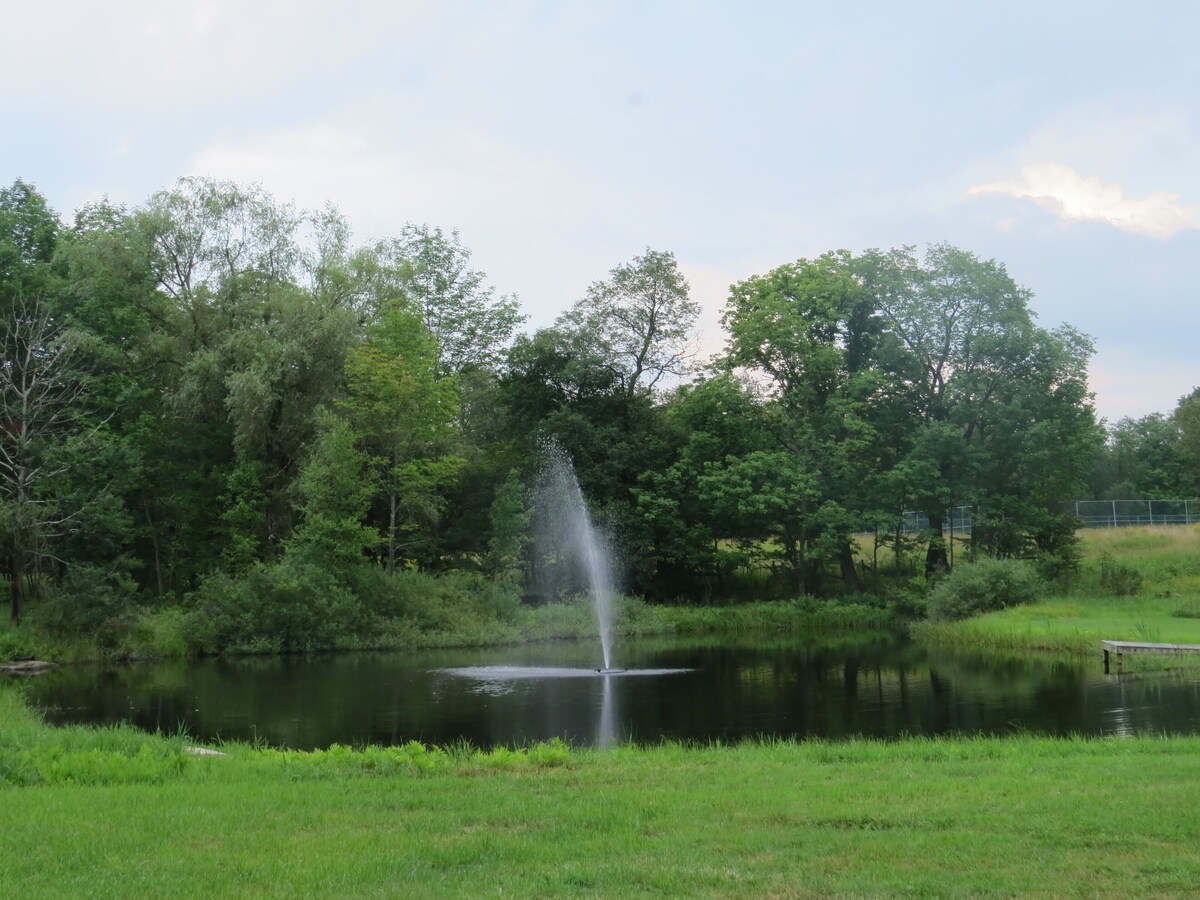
977,365
431,271
334,489
510,516
766,495
639,321
813,331
29,232
405,417
126,335
264,323
1187,417
704,424
1146,459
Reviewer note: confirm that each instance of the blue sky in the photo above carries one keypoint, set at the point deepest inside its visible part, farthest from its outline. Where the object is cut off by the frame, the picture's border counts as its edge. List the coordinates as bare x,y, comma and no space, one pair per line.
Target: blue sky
562,139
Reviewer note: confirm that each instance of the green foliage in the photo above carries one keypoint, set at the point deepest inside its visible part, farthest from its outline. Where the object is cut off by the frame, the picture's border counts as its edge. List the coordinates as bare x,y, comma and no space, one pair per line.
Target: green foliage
1153,457
455,603
510,517
982,586
29,233
89,600
158,634
638,321
285,606
335,492
242,397
429,271
34,754
412,758
403,416
244,515
17,641
1119,579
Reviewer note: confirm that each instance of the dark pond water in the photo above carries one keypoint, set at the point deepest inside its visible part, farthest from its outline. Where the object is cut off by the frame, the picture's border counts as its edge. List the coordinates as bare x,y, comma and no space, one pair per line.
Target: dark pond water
878,687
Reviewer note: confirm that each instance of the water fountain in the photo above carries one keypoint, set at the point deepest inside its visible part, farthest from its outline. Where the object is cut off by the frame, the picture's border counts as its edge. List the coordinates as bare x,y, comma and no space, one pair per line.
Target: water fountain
573,540
561,502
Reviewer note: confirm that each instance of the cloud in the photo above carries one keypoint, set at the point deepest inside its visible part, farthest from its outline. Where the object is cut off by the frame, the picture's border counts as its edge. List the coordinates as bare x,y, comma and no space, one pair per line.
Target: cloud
1069,195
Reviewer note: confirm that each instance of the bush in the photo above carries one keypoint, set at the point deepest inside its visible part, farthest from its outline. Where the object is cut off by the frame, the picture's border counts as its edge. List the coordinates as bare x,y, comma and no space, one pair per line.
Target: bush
984,585
18,642
286,606
1119,578
89,600
158,634
454,602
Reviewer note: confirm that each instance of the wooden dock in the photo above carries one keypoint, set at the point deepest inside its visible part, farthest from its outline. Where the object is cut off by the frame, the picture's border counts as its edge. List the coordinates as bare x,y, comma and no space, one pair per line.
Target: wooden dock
1120,648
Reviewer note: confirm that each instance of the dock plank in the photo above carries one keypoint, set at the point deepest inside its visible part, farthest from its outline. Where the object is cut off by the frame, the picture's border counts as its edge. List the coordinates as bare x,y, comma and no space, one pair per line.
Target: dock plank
1122,647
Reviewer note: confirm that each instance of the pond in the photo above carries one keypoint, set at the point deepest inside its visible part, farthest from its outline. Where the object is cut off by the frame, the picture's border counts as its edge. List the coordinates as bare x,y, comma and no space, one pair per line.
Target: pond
878,687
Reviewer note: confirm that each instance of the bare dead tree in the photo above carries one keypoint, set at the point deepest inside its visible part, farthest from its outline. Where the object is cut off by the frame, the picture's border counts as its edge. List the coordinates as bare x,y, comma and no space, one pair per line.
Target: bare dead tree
40,403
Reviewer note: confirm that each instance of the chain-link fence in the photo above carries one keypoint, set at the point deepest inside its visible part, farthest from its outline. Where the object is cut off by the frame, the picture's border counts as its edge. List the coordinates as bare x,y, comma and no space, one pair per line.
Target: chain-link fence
1093,513
954,521
1118,513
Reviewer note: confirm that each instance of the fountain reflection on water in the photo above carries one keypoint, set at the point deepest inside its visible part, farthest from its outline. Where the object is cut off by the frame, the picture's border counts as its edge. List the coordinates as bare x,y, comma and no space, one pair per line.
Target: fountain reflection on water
499,680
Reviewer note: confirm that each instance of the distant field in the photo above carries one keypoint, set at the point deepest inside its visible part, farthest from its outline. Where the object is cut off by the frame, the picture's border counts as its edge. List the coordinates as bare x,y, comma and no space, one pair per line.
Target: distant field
1165,610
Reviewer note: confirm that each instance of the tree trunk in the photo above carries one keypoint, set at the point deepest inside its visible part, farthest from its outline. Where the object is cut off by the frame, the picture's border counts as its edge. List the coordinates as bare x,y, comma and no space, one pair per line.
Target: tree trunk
158,579
849,572
936,558
391,557
795,558
15,587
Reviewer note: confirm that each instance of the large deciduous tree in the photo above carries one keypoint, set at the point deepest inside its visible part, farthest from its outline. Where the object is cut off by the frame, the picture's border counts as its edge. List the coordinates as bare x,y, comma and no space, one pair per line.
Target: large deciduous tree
405,416
990,392
265,325
639,320
431,271
920,383
813,332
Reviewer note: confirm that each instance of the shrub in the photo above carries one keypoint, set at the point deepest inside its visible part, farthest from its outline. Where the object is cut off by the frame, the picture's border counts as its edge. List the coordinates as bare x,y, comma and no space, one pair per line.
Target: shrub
983,585
89,600
1120,579
459,602
17,642
286,606
159,634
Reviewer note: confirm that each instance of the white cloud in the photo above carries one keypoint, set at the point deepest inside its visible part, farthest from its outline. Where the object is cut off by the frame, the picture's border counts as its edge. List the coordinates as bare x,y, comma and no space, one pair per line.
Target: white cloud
1069,195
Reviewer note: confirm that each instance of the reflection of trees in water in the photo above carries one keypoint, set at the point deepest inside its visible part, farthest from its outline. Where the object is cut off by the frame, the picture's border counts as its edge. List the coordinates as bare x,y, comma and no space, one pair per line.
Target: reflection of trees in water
870,688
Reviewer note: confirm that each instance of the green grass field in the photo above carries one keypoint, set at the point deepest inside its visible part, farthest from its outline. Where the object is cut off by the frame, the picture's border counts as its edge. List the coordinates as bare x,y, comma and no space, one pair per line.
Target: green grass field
1165,610
114,813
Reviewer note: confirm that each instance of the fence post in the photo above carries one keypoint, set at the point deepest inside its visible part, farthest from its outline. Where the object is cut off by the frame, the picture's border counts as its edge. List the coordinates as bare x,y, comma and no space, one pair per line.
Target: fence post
1114,507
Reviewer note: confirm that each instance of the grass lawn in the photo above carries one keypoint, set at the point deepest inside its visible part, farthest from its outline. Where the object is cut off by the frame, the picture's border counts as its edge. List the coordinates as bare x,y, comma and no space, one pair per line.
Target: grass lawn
1165,610
110,812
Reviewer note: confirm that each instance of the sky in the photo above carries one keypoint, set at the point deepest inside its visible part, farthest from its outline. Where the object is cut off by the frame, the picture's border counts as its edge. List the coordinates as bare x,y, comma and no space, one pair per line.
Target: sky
562,139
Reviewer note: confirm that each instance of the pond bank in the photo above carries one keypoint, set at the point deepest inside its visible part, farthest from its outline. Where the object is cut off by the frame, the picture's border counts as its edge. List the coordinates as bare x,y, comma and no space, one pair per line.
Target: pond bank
949,816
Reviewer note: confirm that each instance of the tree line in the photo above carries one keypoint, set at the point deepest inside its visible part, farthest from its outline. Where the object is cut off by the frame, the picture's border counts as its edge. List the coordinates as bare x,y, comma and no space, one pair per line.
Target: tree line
219,402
